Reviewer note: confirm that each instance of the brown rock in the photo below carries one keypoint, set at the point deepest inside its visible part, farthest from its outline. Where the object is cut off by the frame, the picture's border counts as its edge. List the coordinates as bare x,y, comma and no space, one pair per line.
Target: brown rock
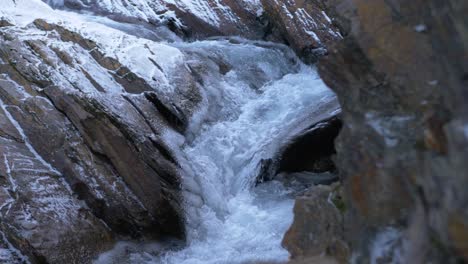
317,228
5,22
399,78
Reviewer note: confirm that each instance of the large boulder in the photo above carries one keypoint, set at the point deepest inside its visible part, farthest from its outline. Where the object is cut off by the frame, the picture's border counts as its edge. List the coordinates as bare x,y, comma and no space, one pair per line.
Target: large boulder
83,155
400,75
311,150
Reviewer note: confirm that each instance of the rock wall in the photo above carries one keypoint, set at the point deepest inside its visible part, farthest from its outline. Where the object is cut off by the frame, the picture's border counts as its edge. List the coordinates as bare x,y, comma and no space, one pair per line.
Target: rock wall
192,18
82,148
302,24
401,77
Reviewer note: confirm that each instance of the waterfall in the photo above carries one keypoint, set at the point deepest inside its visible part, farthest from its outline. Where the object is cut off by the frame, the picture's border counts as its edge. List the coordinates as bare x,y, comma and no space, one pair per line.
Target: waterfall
238,223
254,97
246,115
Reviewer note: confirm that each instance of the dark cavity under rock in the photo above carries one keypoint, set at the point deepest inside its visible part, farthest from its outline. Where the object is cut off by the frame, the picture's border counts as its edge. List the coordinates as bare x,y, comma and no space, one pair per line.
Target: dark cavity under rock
307,158
312,150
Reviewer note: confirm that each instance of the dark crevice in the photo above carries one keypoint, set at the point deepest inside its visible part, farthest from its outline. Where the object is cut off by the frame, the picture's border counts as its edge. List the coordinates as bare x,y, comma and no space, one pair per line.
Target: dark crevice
173,116
163,150
135,106
307,158
312,150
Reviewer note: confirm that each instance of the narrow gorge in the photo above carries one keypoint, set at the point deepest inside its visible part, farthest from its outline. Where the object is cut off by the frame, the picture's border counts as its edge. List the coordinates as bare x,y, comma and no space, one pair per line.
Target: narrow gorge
233,131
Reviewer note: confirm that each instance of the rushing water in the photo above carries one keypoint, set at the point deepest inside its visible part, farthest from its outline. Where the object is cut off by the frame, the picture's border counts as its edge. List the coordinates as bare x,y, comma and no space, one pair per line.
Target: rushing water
247,114
256,95
238,223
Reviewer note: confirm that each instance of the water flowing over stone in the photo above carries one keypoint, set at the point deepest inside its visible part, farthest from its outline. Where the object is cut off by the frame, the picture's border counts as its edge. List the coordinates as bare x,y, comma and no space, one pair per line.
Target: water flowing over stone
118,130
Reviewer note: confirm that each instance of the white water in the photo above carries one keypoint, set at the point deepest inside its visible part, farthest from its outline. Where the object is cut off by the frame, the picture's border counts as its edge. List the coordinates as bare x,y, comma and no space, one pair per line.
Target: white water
248,111
228,219
238,223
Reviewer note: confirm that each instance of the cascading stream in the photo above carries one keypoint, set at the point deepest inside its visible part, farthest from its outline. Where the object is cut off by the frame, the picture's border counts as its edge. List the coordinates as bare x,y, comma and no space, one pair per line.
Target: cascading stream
265,98
255,96
247,113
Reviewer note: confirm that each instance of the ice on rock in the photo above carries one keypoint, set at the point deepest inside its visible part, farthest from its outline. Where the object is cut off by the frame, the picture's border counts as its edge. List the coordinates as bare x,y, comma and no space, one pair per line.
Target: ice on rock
254,96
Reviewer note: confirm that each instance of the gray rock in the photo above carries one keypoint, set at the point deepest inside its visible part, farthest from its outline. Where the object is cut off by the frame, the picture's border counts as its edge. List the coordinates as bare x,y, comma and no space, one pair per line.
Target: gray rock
318,226
404,96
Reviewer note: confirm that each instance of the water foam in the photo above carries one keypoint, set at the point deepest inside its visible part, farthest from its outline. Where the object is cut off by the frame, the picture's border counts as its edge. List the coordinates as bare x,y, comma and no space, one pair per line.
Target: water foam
230,221
256,95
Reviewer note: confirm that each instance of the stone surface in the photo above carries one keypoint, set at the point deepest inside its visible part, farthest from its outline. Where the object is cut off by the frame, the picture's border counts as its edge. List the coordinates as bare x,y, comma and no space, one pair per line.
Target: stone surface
193,18
309,149
5,21
312,150
400,75
93,114
303,24
318,226
83,159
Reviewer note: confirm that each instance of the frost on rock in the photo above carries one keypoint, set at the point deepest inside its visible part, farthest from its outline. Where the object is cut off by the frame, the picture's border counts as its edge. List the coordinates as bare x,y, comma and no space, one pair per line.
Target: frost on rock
105,126
212,17
304,24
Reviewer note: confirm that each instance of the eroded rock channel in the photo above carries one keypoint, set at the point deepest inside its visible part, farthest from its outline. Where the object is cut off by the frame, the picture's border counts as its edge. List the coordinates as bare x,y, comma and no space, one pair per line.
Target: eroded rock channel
128,134
209,131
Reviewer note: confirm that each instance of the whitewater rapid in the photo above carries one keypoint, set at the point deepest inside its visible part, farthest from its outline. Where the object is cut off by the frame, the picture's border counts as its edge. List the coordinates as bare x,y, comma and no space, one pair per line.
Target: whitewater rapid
237,222
255,97
246,115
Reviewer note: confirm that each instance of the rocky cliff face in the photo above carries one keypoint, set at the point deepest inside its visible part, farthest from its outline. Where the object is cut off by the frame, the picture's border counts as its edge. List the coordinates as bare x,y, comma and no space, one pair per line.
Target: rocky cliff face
400,75
303,24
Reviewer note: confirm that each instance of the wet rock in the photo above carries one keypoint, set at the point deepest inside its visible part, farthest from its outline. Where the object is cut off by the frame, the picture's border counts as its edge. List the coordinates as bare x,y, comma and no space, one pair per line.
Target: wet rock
300,181
6,21
306,159
304,25
403,95
40,216
318,226
194,19
83,161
